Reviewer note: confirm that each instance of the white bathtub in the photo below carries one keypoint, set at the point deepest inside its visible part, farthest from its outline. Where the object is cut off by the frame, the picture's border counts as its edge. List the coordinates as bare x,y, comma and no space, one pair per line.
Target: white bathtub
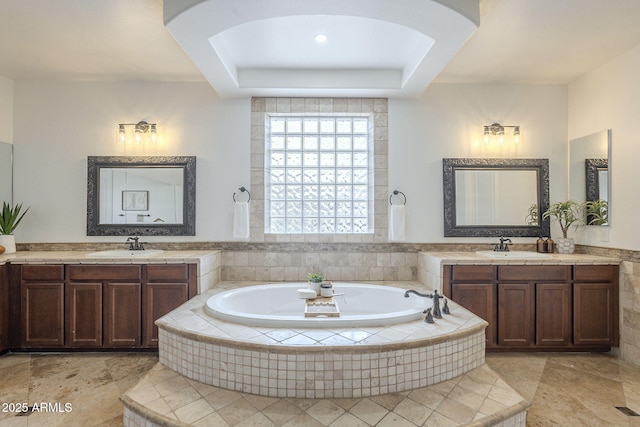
278,305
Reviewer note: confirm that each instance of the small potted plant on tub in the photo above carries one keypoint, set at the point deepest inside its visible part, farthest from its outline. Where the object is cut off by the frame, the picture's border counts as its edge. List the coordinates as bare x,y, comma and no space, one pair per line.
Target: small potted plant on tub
314,281
10,217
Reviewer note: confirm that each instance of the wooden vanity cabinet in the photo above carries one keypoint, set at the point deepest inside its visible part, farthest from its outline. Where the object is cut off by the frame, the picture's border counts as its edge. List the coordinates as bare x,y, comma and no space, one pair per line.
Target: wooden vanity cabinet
595,305
42,306
543,307
104,305
473,287
83,306
4,310
96,306
553,314
166,287
535,309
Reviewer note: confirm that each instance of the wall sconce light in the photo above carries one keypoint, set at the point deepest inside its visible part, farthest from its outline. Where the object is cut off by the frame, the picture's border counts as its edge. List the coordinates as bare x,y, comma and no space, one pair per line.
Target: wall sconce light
496,129
140,129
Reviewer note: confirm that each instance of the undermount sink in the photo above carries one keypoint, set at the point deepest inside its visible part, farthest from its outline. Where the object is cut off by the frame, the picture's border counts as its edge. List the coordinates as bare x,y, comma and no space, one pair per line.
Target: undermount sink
124,253
513,254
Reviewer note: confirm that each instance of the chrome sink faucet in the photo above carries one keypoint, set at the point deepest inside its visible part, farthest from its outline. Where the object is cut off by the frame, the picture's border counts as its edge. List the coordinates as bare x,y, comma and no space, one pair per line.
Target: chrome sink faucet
503,246
135,244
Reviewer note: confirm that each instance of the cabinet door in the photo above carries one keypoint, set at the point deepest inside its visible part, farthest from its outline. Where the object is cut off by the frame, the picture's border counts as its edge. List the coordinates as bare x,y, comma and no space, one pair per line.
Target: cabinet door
593,311
480,299
515,315
84,314
42,314
122,315
159,299
553,314
4,310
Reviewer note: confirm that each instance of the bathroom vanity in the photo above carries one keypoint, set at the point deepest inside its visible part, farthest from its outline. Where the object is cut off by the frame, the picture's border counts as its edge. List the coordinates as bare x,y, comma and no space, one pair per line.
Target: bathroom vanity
563,303
96,304
4,310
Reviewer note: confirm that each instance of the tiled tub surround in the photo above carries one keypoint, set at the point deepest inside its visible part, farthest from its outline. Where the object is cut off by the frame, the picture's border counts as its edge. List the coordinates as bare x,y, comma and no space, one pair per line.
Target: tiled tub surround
319,363
208,262
336,264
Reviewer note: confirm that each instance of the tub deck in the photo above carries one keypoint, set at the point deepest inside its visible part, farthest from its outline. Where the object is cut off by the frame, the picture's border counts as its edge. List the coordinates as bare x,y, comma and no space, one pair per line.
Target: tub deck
213,372
339,362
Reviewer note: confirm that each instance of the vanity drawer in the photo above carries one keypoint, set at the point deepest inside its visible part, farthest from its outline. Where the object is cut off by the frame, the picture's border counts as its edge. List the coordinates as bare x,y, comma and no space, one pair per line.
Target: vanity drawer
39,273
104,273
536,273
473,273
595,273
168,273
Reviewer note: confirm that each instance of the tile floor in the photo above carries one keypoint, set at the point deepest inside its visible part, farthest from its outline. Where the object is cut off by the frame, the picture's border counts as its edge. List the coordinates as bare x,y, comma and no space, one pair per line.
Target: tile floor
565,389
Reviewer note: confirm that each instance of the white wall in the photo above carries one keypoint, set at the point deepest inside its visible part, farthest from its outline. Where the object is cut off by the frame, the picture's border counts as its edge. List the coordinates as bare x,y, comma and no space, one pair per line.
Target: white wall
58,124
6,110
448,122
609,98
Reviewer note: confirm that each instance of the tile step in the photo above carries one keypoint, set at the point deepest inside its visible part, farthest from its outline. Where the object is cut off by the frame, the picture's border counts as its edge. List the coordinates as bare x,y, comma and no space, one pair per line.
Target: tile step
477,398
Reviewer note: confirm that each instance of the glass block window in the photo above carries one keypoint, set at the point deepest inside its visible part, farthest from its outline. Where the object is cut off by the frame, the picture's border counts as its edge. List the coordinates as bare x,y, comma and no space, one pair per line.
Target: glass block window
319,174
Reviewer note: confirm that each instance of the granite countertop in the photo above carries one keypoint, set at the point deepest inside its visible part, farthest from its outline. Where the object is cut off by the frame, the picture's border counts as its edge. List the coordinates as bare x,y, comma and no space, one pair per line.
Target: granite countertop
449,258
88,257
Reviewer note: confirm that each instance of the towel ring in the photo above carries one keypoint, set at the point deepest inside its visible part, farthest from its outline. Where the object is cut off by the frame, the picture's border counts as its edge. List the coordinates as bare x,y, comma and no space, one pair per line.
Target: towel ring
395,193
242,190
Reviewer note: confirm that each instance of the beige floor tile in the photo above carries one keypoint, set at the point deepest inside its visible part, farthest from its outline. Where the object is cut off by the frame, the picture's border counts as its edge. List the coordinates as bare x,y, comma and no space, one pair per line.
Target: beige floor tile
427,397
388,401
456,411
194,411
565,390
305,420
325,411
368,411
394,420
281,411
237,412
211,420
223,398
349,420
413,411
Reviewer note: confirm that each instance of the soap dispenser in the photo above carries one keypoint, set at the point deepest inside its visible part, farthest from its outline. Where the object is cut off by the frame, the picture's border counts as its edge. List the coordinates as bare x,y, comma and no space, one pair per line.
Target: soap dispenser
540,245
550,245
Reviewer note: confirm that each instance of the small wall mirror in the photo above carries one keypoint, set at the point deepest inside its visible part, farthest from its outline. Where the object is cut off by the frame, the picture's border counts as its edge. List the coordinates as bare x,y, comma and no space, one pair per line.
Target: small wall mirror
6,173
589,175
141,195
495,197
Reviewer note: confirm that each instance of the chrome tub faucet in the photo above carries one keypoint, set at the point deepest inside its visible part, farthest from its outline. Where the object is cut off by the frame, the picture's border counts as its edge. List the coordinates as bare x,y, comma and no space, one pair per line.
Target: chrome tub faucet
433,311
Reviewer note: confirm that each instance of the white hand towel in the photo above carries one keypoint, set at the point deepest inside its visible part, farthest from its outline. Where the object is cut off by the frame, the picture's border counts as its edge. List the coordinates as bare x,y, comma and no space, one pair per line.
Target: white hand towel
241,220
396,223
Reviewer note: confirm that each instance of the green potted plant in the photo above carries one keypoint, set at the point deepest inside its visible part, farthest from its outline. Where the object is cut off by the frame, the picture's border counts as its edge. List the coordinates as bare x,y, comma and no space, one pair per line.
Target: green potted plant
597,212
567,213
314,281
10,217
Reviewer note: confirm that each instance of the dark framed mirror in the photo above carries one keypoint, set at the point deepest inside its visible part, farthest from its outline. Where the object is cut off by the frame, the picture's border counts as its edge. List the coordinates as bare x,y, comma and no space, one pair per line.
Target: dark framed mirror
597,184
148,196
589,175
495,197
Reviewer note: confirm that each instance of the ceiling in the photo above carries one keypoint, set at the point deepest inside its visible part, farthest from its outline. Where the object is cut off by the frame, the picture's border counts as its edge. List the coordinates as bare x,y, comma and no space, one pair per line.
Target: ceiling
259,51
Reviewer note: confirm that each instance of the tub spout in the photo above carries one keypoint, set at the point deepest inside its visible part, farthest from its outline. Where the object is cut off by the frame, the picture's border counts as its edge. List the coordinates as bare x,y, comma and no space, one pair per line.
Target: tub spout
411,291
